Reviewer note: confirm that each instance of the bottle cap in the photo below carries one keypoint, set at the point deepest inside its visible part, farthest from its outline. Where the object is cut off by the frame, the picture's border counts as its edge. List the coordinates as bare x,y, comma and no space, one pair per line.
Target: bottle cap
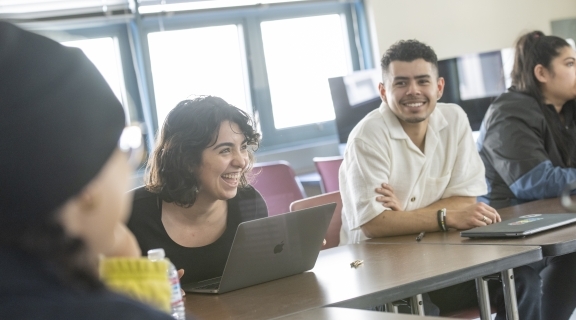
156,254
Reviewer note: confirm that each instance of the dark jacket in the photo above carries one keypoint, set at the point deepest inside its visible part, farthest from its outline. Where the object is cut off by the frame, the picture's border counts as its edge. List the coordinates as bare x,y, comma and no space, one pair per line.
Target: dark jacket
522,159
29,289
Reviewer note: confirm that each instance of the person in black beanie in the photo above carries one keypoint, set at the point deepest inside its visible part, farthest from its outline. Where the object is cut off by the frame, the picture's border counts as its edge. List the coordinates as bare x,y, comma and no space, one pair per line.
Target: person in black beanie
63,177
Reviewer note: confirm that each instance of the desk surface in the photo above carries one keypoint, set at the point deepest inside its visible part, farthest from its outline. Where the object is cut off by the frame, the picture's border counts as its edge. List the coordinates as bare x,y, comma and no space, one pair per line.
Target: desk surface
347,314
553,242
389,273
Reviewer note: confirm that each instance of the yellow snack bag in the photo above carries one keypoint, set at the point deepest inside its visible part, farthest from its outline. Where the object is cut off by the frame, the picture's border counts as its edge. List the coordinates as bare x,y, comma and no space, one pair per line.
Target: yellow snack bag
138,278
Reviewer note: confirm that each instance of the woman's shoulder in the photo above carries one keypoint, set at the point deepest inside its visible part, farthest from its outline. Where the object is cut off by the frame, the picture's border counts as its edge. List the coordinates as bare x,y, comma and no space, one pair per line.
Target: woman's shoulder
250,202
513,104
142,198
145,205
141,193
512,101
248,192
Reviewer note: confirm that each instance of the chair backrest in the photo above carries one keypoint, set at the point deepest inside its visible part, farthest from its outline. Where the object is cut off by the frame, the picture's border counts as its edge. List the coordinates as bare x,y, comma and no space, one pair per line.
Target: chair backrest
278,185
333,233
328,168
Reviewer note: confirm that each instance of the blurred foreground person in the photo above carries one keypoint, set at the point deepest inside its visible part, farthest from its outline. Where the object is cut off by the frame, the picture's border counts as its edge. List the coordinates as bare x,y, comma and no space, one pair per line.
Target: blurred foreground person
64,172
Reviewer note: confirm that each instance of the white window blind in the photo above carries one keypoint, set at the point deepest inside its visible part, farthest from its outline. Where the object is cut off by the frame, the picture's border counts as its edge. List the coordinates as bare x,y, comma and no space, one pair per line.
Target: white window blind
38,9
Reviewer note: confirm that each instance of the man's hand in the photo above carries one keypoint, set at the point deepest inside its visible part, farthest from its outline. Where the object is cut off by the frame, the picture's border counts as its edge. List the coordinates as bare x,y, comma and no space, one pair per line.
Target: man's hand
388,198
476,215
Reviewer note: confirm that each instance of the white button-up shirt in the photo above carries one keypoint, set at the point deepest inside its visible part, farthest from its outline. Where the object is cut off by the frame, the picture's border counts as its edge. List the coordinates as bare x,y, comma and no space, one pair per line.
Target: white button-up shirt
379,151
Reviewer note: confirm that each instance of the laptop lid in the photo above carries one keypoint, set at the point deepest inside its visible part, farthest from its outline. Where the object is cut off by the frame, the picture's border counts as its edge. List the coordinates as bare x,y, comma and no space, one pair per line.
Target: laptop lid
521,226
274,247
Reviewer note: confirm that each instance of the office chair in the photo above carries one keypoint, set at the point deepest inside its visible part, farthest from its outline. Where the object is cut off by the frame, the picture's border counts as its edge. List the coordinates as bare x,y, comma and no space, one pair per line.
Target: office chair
328,168
278,185
333,234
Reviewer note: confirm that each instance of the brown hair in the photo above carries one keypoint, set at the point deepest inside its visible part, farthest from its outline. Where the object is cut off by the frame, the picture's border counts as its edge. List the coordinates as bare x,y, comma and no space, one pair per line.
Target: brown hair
189,128
532,49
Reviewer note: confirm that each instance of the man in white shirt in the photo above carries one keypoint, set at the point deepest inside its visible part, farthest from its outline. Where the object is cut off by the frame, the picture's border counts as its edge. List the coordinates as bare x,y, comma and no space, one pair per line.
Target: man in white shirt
412,166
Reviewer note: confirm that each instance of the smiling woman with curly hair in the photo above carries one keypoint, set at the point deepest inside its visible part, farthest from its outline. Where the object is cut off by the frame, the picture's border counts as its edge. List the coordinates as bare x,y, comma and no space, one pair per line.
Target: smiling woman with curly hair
196,190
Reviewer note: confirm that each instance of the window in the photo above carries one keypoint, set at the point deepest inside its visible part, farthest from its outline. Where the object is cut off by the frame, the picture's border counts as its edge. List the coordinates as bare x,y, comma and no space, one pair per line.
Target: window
273,60
104,54
199,61
301,54
274,63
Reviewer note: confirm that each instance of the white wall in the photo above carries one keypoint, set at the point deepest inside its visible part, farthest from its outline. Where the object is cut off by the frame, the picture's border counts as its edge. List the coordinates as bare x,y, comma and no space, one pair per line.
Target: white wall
455,27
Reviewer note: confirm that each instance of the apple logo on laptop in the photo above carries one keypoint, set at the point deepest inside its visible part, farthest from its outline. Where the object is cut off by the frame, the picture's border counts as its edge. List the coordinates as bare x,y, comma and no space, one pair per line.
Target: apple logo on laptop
279,247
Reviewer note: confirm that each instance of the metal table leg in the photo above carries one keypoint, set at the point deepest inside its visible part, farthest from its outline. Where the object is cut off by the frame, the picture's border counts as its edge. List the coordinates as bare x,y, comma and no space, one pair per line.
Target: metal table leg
392,307
509,287
417,304
483,297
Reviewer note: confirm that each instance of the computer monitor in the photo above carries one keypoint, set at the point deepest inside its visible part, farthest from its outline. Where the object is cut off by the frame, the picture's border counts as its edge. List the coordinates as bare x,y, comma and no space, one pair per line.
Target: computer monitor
353,97
472,81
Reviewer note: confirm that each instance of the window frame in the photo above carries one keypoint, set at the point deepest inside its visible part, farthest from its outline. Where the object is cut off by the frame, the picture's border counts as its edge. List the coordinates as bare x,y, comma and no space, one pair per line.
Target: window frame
131,31
118,31
248,20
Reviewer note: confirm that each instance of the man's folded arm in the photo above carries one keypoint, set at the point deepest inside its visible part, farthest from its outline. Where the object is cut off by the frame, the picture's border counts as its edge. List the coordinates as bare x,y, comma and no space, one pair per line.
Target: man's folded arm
462,213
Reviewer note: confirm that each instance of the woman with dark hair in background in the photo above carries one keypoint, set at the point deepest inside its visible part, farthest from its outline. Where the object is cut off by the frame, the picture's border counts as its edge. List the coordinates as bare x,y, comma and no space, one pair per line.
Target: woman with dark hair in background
63,181
528,145
196,191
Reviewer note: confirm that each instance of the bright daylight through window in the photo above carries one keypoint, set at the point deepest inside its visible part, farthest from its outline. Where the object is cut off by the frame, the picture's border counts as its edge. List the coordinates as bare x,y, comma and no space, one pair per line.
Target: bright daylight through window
301,54
104,54
200,61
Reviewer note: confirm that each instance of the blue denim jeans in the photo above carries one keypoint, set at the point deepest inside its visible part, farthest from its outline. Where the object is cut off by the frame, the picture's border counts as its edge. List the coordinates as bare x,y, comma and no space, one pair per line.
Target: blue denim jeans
558,276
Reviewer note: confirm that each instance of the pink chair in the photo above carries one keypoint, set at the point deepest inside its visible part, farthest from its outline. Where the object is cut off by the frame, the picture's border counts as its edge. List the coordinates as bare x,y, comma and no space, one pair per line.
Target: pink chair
328,168
277,184
333,234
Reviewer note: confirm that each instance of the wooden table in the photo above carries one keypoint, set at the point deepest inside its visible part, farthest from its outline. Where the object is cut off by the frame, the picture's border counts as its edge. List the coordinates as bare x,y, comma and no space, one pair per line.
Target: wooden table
389,273
347,314
554,242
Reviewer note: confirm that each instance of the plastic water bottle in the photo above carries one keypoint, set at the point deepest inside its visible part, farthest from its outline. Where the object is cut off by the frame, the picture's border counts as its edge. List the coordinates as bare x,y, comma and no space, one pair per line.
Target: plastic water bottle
177,305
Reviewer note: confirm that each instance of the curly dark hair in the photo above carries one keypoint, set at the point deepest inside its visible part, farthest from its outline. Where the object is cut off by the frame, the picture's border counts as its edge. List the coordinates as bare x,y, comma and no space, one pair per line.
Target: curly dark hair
189,128
408,51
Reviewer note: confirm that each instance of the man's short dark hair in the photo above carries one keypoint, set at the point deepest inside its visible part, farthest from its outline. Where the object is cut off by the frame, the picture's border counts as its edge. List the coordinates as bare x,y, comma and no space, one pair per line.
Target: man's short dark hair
408,51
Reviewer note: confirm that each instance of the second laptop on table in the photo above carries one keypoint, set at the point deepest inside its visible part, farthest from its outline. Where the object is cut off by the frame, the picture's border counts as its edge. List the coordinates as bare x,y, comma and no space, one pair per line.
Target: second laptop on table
521,226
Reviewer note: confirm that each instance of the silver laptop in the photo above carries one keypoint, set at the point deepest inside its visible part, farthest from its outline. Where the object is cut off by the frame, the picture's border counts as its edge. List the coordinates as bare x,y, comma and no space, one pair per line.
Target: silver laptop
521,226
271,248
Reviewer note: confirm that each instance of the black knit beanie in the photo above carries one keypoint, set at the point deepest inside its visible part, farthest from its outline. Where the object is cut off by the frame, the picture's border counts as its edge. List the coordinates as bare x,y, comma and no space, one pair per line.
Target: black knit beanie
59,123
